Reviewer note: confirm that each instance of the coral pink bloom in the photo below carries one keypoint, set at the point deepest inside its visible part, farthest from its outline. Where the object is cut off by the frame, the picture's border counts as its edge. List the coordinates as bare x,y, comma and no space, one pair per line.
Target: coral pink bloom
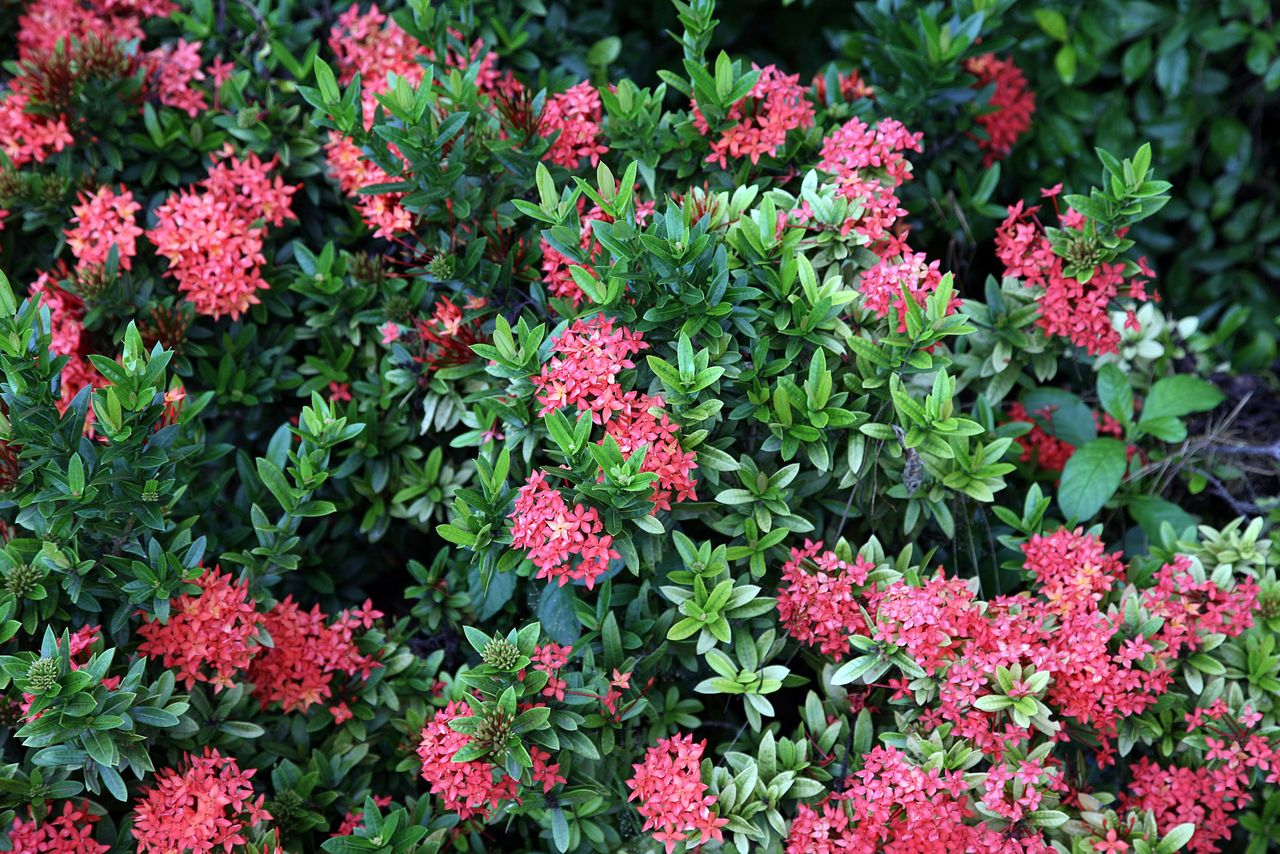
467,788
210,636
205,806
668,789
104,220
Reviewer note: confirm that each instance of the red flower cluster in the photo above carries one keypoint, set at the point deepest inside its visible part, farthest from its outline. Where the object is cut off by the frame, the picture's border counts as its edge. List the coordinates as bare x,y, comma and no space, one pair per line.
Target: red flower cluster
445,338
1009,111
44,25
868,165
555,534
638,427
1075,310
892,805
583,373
213,236
1047,451
854,149
818,598
672,797
1208,794
71,832
104,220
575,116
467,788
204,807
550,659
307,653
374,46
210,636
1193,609
882,286
172,69
545,771
28,137
776,105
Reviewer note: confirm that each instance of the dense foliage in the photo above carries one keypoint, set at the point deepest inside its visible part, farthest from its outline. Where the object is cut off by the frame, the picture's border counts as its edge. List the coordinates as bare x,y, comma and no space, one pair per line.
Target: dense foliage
503,426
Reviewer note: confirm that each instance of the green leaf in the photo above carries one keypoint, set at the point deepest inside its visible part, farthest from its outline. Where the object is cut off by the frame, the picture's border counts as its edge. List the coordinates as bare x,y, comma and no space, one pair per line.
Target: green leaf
1052,22
1115,393
1177,396
100,747
274,480
1150,512
1065,62
1091,477
1176,839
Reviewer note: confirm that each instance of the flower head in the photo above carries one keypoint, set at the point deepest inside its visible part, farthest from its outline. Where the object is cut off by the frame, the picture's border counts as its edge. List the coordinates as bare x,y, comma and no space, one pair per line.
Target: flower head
209,636
102,221
467,788
669,793
205,805
307,653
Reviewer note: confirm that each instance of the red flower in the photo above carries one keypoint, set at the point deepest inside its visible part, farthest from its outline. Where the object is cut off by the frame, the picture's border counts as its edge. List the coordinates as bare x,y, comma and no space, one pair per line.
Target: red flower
819,598
467,788
71,832
775,105
210,636
575,116
671,796
105,220
307,653
1009,109
204,807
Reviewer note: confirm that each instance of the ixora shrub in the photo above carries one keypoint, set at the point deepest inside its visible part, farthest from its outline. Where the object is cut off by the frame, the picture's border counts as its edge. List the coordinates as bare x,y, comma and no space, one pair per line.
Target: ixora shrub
416,438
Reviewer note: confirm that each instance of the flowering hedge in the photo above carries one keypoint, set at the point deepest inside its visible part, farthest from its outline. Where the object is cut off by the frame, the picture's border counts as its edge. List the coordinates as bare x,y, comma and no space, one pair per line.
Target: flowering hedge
441,429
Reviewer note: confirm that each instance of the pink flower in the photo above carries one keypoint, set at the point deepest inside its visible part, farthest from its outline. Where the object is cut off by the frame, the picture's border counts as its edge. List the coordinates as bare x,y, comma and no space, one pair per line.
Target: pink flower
339,392
545,772
776,105
575,116
819,599
209,637
466,788
883,284
213,236
206,806
637,427
27,137
390,332
893,805
104,220
70,832
1206,796
583,373
1077,311
172,69
671,796
567,544
307,653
